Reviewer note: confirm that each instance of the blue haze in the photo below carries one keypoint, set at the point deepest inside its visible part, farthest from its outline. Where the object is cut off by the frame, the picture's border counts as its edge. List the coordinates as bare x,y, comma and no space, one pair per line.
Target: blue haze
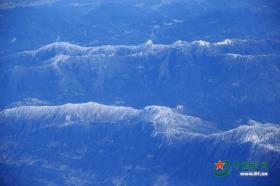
138,92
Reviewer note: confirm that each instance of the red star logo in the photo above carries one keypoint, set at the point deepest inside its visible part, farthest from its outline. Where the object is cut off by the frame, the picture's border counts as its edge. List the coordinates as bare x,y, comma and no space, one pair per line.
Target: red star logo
219,165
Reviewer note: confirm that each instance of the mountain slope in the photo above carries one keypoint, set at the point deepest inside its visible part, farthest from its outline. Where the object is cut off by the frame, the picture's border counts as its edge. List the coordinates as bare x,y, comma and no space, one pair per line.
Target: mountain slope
78,144
240,76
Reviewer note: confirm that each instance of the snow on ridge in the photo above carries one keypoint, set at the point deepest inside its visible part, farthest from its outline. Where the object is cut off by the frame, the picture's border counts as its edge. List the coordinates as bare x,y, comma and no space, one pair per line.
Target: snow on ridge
201,43
74,49
58,59
59,47
63,44
225,42
265,135
167,122
252,58
233,55
232,48
84,112
167,116
66,48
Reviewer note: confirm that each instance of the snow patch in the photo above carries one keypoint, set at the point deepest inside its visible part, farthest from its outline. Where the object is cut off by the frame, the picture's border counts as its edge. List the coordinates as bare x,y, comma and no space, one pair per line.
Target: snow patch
225,42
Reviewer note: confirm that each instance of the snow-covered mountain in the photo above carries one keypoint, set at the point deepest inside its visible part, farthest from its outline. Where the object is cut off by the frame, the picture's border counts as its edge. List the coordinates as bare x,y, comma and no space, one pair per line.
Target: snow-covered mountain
208,92
221,81
140,142
139,92
166,121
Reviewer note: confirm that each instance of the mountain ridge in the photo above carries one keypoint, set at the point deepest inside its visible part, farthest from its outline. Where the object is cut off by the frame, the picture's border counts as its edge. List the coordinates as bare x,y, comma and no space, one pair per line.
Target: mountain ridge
167,122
